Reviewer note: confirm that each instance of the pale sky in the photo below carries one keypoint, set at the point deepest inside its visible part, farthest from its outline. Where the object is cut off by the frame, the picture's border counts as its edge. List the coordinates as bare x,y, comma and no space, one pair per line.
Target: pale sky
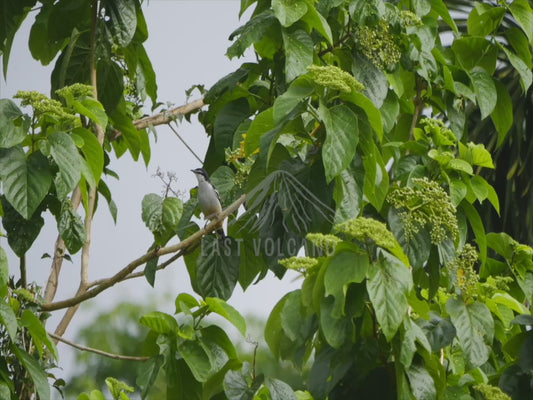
187,43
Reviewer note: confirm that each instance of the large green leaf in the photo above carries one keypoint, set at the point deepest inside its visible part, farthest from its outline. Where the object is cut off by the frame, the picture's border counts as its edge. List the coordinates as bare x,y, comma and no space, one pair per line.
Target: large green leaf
110,92
4,270
472,52
348,194
289,11
121,20
25,180
521,10
422,384
526,76
279,390
196,358
38,332
336,331
298,53
484,19
12,127
485,91
223,309
473,322
218,267
37,373
161,216
8,319
502,116
71,228
160,322
21,232
253,31
68,159
93,152
388,283
376,183
347,265
342,136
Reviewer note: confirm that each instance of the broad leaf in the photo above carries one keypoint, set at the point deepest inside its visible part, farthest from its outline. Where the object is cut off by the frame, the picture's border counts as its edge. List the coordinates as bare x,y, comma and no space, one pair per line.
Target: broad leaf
279,390
298,53
71,228
37,373
223,309
342,136
38,333
12,126
218,267
68,159
121,20
289,11
485,91
473,322
8,319
196,358
388,283
21,233
25,180
160,322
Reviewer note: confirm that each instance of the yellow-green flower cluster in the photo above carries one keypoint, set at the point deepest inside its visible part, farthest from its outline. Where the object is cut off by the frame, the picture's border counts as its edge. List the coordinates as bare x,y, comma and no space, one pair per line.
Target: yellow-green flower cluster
463,272
425,204
75,90
335,78
326,242
409,18
42,104
301,264
490,392
439,132
495,284
379,45
367,228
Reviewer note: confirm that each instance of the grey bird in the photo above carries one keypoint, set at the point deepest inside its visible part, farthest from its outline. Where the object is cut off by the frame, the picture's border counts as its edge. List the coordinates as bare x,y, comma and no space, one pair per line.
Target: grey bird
209,198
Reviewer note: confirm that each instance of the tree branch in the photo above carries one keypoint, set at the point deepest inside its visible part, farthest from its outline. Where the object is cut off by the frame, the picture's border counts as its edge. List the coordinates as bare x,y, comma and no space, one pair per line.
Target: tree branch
128,269
168,116
96,351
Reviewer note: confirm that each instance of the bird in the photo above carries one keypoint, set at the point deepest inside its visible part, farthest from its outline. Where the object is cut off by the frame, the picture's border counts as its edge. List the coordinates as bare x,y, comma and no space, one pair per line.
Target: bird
209,198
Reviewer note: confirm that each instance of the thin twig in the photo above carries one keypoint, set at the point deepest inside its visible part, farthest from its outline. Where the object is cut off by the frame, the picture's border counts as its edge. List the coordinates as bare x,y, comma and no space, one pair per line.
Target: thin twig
168,116
185,143
128,269
96,351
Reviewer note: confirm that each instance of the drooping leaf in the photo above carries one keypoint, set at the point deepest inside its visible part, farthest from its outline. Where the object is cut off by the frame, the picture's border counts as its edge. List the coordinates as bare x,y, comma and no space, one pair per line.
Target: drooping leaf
12,126
21,232
485,90
25,180
251,32
342,136
71,228
65,153
521,10
474,323
223,309
387,286
8,319
159,322
298,47
218,267
279,390
93,152
288,12
38,332
196,358
121,20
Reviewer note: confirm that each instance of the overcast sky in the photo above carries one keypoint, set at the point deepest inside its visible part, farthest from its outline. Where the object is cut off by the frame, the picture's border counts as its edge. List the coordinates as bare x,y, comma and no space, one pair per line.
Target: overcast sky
187,43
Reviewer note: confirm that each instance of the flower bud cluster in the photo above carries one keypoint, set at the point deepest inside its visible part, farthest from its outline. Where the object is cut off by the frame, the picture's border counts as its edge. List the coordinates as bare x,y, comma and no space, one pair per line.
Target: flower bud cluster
379,45
364,229
463,272
335,78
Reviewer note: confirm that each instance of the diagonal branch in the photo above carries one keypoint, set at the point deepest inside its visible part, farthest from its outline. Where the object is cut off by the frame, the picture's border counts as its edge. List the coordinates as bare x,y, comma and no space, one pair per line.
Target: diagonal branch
125,272
170,115
96,351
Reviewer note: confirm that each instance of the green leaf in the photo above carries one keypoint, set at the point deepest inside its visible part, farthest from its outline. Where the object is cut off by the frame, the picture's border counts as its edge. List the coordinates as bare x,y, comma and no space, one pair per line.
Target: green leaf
274,328
160,322
25,180
21,233
148,373
110,92
439,331
12,129
298,47
342,136
4,269
65,153
8,319
218,267
347,265
161,216
279,390
263,123
92,109
376,183
485,91
484,19
336,331
524,319
522,12
502,116
371,111
348,194
236,387
316,21
71,228
213,335
473,322
472,52
440,7
389,281
196,358
41,46
422,384
223,309
374,79
289,11
298,90
93,152
526,76
37,373
38,333
253,31
121,20
185,302
103,189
